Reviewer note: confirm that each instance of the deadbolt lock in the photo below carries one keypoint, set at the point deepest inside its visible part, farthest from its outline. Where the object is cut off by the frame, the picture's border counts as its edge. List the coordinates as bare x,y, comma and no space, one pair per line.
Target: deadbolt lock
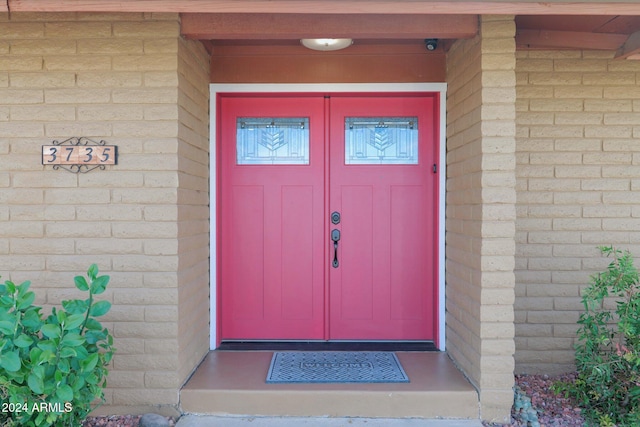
335,218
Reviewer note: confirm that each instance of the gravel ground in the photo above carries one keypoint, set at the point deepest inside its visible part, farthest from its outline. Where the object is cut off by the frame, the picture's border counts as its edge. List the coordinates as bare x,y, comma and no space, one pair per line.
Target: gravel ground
117,421
553,410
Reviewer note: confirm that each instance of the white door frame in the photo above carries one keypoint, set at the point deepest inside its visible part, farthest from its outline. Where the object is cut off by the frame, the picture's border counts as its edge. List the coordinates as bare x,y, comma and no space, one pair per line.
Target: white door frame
355,88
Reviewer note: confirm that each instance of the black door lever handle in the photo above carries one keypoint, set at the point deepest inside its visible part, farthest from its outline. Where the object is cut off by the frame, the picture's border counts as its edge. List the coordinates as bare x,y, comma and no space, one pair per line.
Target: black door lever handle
335,236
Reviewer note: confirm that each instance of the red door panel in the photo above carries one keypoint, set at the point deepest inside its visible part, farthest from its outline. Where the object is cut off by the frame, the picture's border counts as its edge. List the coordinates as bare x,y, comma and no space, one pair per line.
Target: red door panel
272,230
383,288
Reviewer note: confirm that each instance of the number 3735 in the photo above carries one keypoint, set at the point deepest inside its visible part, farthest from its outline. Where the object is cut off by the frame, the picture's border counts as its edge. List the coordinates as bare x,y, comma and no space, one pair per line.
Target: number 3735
79,155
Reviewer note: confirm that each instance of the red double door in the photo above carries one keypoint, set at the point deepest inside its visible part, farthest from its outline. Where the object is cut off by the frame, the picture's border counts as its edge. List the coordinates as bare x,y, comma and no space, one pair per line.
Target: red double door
328,225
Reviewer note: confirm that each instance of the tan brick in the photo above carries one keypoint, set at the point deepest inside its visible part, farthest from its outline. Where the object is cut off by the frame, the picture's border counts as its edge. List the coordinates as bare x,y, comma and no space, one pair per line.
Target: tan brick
144,396
554,105
20,63
144,330
620,171
592,66
497,61
109,213
622,224
21,96
42,80
502,28
77,96
169,45
77,196
106,180
154,62
578,118
567,171
77,229
77,30
607,158
41,246
42,113
555,54
20,30
126,379
555,78
42,179
146,29
160,113
160,247
145,362
158,345
108,246
621,118
146,297
145,96
581,144
607,211
161,379
605,237
110,46
13,263
622,92
77,62
555,158
165,313
93,79
610,78
145,263
110,112
43,47
61,131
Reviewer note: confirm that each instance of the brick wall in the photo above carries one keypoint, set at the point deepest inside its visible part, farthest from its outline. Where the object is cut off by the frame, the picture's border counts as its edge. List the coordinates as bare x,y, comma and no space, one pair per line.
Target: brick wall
193,210
128,79
480,219
578,178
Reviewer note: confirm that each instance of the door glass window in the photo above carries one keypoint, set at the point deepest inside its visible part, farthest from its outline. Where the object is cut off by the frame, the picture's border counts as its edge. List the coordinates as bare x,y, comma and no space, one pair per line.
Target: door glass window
381,140
272,141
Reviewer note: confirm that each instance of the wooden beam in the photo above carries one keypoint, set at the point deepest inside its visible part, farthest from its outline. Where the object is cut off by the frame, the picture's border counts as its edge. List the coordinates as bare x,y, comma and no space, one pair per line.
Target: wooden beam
498,7
536,39
237,26
631,47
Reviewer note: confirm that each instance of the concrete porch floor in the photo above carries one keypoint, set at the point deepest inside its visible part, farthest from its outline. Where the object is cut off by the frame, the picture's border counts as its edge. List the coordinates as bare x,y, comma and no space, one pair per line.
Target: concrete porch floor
233,383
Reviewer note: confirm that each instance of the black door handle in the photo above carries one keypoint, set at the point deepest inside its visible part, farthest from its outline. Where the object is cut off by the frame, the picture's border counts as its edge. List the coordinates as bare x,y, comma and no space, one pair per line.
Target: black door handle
335,236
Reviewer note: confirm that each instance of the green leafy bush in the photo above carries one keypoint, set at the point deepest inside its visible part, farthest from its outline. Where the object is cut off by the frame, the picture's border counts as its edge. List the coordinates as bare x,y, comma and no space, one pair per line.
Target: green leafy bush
608,348
52,370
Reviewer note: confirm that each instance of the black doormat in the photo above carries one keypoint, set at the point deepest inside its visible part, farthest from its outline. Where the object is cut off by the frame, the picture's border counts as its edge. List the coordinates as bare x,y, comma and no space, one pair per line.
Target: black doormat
327,346
336,367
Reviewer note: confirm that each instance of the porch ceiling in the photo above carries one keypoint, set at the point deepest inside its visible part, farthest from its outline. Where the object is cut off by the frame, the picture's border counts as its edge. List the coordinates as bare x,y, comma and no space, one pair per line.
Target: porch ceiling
552,24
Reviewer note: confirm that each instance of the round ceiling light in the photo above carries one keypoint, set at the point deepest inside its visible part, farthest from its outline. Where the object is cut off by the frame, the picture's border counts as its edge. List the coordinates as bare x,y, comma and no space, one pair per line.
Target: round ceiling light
326,44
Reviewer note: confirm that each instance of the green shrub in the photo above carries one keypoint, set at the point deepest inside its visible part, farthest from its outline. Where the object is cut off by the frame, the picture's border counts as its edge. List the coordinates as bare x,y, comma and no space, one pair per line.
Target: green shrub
52,370
608,348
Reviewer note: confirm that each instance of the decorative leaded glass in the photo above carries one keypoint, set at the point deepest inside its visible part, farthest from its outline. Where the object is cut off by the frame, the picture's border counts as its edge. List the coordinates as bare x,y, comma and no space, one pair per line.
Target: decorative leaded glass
272,141
381,140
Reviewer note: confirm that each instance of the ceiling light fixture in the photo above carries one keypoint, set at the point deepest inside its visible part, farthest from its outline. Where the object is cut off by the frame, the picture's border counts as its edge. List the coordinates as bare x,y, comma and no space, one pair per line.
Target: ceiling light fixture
326,44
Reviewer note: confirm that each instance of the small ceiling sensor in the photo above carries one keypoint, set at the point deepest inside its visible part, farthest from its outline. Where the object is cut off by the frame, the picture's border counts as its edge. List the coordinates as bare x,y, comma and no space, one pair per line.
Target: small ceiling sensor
326,44
431,44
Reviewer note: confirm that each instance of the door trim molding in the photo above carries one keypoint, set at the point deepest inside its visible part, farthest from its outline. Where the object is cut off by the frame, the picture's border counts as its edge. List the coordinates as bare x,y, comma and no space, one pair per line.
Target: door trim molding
355,88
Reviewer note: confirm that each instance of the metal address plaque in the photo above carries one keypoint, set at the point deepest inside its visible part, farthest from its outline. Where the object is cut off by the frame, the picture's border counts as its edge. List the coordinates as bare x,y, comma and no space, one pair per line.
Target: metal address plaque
79,155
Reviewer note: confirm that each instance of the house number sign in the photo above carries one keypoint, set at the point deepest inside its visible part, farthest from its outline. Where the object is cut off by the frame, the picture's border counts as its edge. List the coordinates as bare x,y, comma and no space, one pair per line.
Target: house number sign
79,155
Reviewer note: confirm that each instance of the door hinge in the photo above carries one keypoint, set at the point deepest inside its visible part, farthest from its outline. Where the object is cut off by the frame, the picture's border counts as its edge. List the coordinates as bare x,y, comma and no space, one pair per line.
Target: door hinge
435,168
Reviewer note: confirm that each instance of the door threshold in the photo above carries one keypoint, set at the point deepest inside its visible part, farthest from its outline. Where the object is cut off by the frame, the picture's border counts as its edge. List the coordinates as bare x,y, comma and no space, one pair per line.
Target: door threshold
327,346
